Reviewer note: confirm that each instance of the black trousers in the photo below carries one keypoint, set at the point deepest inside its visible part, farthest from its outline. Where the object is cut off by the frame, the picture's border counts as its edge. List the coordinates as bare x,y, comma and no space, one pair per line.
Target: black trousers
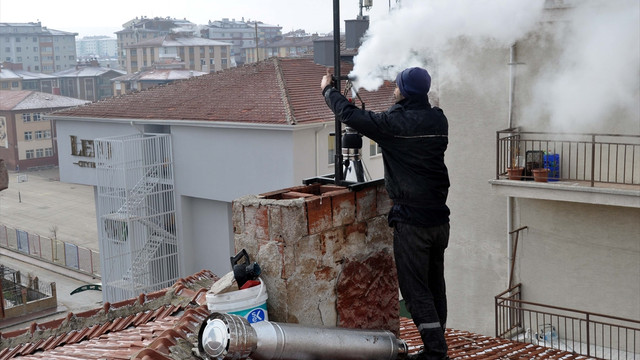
419,255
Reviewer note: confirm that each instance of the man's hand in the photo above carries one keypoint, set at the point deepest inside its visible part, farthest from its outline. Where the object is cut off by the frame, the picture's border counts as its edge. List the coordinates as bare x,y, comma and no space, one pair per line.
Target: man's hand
326,80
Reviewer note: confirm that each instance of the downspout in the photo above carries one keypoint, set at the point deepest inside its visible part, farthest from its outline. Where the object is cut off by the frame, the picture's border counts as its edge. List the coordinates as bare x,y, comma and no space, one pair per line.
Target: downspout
510,199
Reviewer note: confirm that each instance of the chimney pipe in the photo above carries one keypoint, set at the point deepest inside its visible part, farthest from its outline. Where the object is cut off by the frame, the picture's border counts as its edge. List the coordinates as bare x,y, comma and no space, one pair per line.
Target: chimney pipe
225,336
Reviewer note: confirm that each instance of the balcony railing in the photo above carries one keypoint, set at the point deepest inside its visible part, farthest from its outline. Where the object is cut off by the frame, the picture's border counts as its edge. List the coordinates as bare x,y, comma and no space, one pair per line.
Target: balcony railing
591,159
574,331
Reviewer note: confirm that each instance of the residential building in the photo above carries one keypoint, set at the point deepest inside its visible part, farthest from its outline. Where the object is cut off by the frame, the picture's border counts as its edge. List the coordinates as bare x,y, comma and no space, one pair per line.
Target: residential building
144,28
97,46
198,54
214,135
242,34
293,46
87,81
165,72
12,77
37,48
27,139
581,245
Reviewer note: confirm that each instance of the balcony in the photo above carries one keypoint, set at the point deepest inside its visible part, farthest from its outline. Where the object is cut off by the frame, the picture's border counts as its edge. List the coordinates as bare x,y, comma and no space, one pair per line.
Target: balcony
579,332
588,168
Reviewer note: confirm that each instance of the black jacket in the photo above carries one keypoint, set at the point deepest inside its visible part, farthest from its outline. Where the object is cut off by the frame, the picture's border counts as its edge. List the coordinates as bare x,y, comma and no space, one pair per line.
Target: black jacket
413,137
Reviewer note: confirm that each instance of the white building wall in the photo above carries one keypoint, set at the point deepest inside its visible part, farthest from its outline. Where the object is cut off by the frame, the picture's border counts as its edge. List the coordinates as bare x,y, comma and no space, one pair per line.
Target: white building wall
574,255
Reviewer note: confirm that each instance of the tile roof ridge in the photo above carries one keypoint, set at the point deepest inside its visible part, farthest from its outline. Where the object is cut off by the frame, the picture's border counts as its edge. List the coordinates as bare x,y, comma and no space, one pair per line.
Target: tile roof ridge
284,92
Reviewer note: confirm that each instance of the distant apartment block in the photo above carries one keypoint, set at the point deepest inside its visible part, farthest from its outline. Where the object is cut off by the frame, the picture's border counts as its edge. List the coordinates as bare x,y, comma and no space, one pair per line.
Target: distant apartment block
87,81
97,46
144,28
242,34
37,48
27,140
160,73
13,77
289,47
198,54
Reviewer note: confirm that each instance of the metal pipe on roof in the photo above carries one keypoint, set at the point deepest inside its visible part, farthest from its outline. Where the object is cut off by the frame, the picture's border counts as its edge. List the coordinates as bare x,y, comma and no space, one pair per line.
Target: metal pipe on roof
225,336
338,176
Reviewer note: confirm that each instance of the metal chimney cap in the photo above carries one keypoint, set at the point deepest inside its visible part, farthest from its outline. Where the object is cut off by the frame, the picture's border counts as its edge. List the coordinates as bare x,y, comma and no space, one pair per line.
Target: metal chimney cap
215,338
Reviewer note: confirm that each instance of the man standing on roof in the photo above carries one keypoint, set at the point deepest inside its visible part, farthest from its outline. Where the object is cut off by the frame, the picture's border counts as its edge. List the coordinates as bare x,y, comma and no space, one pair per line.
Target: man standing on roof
413,137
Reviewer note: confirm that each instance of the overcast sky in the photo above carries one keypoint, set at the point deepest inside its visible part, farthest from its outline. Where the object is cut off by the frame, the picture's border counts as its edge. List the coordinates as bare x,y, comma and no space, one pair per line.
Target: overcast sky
104,18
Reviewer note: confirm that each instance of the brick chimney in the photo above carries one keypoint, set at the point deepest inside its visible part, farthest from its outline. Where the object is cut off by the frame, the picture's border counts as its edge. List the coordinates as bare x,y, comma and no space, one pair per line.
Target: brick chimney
326,254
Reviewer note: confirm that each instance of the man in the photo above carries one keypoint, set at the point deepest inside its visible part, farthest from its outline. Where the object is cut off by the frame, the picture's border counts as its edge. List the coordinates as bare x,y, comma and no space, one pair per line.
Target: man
413,138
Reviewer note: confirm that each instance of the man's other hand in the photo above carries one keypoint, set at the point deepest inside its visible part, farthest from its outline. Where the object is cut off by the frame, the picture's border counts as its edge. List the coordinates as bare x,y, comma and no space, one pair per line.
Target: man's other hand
326,80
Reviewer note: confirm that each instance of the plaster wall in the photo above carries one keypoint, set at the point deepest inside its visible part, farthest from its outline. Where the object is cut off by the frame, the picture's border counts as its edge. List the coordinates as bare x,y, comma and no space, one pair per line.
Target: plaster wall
581,256
476,259
205,233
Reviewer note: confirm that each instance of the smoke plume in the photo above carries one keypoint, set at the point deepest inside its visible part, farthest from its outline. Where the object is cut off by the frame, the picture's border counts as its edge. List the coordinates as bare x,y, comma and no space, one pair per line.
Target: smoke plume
595,73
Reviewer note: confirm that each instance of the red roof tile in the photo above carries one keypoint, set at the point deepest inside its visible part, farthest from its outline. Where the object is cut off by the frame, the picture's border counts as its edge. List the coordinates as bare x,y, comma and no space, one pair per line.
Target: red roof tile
274,91
154,329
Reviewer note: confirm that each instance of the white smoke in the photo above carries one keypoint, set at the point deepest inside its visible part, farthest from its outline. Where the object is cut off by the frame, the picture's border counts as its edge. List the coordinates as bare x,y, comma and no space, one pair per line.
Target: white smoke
596,80
593,75
419,30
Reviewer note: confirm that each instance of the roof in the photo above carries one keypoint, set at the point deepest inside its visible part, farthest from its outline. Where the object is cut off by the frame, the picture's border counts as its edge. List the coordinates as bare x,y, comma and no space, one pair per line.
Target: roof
11,100
87,71
160,75
273,91
118,330
169,40
164,326
6,74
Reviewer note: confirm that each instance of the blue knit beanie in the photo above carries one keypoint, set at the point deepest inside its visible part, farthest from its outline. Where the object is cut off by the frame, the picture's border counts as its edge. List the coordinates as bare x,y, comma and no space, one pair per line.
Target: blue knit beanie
413,81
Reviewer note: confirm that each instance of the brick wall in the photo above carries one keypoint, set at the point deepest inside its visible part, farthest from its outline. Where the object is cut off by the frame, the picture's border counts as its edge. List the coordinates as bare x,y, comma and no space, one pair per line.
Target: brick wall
326,254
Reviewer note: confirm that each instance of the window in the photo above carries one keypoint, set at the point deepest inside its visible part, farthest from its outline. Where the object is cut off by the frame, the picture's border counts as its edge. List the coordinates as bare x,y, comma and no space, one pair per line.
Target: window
29,154
374,148
47,134
332,149
26,117
15,84
5,85
19,58
37,117
18,49
48,152
35,39
28,135
35,48
36,58
39,134
72,57
39,153
18,39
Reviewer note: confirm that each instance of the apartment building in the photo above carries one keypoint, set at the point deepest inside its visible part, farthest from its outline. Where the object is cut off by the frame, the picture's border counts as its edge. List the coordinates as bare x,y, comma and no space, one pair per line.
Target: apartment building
196,53
37,48
144,28
87,81
13,77
27,139
293,46
97,46
242,34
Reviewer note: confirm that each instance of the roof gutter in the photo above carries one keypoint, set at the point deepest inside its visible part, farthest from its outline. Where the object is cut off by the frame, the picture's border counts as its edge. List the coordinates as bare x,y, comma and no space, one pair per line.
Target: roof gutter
194,123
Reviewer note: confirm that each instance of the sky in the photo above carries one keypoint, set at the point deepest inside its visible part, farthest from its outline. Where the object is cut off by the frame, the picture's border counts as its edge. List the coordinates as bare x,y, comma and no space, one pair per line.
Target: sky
104,18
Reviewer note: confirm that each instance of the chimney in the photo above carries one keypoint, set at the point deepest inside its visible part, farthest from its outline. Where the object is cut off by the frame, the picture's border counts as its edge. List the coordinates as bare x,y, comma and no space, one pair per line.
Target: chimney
323,51
355,30
329,240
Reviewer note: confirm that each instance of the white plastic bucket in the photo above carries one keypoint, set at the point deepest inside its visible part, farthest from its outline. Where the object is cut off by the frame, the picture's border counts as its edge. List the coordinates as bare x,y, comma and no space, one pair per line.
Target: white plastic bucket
249,303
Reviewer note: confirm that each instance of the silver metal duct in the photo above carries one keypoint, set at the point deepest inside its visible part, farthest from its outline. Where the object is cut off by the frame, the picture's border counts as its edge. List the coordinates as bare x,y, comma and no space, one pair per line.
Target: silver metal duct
224,336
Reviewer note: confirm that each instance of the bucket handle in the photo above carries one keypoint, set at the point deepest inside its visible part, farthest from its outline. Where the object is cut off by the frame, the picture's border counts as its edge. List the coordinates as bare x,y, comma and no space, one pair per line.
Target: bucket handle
261,287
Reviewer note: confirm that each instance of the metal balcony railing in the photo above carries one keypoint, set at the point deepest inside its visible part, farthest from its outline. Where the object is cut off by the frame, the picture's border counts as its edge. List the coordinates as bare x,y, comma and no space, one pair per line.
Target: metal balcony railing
590,158
575,331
